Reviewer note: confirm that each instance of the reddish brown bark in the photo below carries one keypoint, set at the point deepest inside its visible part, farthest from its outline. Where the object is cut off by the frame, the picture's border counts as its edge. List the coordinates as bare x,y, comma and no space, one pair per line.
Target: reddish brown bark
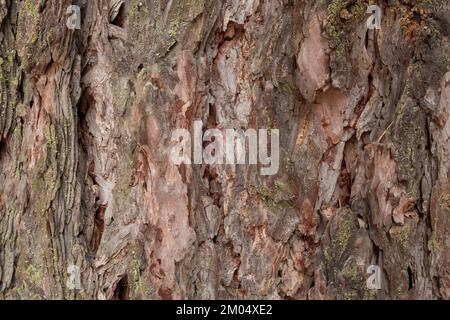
86,179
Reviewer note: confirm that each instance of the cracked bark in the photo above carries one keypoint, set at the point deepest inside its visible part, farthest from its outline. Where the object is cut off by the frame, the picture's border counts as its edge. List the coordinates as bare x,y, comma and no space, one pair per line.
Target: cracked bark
85,123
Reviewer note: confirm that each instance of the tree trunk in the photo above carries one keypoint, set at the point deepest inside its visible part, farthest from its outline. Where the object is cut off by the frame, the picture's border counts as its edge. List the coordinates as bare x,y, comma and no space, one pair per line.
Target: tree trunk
87,184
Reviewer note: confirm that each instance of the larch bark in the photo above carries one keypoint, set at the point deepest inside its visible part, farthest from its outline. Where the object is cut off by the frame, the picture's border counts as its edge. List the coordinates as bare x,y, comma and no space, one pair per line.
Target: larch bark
86,180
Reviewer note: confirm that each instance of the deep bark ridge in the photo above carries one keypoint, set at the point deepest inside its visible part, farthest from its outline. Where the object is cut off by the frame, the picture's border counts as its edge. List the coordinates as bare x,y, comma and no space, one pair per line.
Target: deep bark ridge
91,207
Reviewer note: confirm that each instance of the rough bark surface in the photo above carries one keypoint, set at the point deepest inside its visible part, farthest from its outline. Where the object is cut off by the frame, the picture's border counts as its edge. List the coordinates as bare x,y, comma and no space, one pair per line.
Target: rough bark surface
86,118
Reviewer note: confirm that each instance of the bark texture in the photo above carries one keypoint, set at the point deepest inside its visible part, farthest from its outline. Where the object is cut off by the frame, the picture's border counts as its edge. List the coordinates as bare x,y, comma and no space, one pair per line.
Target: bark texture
86,118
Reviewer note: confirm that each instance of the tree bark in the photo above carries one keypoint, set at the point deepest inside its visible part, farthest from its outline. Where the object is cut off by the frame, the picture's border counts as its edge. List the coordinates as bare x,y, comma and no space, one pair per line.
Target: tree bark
86,119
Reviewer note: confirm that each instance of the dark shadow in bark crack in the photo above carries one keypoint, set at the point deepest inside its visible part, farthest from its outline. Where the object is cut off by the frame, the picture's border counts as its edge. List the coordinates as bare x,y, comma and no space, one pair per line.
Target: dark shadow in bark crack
122,291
